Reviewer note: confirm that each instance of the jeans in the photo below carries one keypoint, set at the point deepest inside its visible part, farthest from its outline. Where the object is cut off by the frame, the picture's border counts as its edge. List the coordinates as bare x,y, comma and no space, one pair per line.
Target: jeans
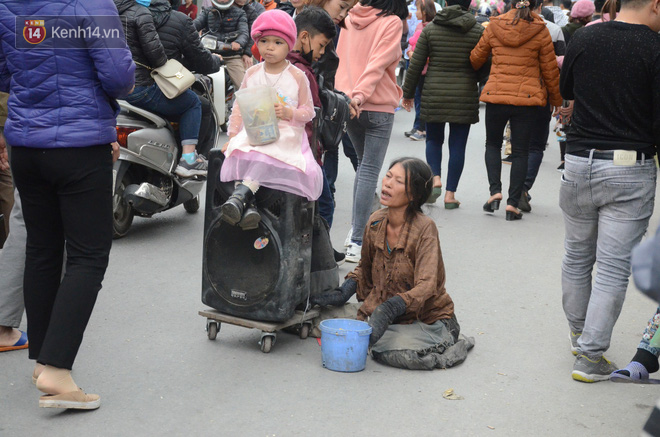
326,204
418,124
12,265
435,137
331,161
649,332
606,213
537,142
186,108
66,195
522,121
370,135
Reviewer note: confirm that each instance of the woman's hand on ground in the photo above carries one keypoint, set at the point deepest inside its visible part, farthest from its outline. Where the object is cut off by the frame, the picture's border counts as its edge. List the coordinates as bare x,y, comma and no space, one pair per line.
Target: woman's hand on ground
383,316
407,104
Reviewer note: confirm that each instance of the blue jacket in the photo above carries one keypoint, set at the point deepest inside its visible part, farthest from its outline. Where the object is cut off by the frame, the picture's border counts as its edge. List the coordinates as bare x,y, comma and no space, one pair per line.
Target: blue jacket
62,97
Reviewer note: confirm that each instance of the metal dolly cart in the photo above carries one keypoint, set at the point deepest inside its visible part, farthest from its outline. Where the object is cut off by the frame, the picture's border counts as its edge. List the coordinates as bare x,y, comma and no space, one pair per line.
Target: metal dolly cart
214,320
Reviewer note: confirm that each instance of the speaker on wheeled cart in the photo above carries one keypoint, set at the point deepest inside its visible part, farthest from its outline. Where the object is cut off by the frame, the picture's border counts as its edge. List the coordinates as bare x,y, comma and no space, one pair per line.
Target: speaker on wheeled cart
260,274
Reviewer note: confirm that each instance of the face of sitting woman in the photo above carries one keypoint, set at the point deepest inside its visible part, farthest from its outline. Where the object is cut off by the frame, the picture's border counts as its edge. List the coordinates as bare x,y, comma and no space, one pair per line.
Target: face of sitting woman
393,193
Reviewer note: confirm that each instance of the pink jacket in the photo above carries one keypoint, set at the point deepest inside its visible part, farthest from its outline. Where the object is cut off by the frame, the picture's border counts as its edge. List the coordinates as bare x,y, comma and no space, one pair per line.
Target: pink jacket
412,42
369,51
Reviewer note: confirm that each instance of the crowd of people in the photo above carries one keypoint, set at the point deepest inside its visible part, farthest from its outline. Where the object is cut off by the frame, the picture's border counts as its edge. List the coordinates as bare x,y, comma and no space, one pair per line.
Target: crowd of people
527,60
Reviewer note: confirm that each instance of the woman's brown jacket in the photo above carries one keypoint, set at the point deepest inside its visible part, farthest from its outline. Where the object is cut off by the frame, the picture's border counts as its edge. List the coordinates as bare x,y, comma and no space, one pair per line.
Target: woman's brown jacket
524,68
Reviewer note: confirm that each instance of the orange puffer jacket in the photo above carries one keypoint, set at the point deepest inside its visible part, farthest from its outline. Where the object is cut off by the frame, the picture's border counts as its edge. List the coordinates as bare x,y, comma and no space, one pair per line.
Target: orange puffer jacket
524,67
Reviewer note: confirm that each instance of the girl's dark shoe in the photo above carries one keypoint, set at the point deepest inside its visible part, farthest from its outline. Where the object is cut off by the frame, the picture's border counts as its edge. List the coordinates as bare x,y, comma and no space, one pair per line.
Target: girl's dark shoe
250,219
232,209
512,215
492,206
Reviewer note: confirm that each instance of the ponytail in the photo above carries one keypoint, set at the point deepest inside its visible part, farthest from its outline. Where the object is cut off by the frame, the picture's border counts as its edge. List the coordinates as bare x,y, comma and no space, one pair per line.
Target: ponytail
611,7
523,10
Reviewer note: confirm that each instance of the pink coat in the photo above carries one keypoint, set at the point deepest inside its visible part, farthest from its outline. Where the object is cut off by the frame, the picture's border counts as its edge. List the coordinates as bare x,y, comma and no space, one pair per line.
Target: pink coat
412,42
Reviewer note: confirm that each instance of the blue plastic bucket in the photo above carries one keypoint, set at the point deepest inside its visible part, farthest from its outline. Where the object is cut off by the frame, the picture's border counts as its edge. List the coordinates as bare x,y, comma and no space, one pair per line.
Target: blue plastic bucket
344,344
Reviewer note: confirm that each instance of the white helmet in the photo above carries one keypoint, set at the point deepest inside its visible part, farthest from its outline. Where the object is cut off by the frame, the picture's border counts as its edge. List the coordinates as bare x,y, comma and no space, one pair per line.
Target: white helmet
222,4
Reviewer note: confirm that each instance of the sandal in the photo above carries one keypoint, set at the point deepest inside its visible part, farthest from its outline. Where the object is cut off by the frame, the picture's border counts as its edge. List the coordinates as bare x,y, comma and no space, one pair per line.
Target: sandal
73,399
637,371
22,343
435,193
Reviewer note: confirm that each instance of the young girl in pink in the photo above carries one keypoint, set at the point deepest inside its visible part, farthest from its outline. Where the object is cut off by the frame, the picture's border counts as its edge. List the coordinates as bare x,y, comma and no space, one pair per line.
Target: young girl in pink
288,163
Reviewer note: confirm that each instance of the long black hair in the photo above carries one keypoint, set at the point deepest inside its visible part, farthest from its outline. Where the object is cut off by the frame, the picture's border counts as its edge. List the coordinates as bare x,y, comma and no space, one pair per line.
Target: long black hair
389,7
419,183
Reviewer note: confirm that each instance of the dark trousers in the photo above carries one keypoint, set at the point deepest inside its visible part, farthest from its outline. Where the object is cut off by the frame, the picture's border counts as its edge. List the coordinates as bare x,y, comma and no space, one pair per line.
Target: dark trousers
419,124
331,161
537,142
522,121
206,130
66,196
326,204
435,137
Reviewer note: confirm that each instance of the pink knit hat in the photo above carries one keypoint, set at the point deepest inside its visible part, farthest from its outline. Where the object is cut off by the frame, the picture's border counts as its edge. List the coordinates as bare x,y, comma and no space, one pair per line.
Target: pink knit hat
275,23
583,9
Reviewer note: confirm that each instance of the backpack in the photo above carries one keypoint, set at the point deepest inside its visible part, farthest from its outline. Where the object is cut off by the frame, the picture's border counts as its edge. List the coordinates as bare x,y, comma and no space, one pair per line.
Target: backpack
334,116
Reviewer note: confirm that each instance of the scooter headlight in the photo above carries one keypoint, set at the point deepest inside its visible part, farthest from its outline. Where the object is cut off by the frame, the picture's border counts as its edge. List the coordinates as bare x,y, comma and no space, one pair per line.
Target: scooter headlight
210,42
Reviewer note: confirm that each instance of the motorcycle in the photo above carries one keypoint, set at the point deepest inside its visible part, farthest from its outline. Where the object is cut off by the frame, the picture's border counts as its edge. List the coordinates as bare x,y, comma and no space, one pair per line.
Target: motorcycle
143,177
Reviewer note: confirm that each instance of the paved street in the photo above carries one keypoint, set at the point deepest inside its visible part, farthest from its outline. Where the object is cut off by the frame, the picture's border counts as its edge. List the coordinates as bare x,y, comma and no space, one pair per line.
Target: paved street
146,352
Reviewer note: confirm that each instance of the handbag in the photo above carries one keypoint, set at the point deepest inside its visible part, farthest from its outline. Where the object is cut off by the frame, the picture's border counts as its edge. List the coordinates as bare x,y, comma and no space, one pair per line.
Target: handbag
172,78
334,116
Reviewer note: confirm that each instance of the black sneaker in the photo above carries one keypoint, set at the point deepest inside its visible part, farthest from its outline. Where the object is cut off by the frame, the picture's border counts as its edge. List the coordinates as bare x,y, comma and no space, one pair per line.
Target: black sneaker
561,167
339,257
410,132
507,160
198,168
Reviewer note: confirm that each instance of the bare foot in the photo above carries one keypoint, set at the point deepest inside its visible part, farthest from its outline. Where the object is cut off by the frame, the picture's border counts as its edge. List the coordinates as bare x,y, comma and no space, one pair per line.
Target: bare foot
38,368
56,381
450,197
496,196
9,336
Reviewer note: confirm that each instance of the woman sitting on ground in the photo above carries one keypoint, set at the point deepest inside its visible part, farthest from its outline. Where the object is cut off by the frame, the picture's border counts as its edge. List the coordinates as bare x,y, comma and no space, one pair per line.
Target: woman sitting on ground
400,279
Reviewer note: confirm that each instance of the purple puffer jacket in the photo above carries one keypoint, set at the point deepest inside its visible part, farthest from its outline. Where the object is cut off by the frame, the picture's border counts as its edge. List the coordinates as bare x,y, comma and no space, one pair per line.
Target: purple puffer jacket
62,97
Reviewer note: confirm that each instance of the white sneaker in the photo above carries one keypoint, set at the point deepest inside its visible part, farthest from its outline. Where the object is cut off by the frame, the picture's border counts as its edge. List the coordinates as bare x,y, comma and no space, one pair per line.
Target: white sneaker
347,241
353,253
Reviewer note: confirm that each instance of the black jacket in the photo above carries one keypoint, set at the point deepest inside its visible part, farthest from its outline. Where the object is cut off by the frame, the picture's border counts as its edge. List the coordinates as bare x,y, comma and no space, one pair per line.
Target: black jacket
285,6
181,40
252,11
142,39
229,25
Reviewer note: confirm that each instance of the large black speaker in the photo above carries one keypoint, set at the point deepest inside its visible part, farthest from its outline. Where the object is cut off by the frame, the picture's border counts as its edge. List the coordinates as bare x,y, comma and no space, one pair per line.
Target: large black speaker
260,274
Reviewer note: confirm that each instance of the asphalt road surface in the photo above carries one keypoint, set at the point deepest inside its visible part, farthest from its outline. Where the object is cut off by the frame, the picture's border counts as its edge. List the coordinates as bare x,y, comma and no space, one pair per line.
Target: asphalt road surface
146,352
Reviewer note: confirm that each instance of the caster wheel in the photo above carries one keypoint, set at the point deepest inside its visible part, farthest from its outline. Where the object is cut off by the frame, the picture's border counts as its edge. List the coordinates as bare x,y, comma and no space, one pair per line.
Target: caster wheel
212,329
304,331
266,343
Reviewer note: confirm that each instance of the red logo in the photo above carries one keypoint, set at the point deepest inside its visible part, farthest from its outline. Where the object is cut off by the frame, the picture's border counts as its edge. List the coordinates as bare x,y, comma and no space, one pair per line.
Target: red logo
34,31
